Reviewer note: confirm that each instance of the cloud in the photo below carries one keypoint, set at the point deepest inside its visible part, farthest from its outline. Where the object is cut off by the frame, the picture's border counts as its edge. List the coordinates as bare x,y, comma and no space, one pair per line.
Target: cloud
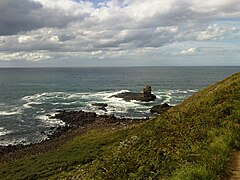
27,15
17,16
111,28
27,56
189,51
201,49
212,32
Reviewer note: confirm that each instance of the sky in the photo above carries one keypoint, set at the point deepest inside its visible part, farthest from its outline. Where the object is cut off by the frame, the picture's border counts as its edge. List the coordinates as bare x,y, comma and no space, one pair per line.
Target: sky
76,33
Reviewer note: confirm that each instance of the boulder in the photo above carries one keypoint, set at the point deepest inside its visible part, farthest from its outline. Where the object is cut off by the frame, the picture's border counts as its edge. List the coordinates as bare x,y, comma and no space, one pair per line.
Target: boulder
160,108
109,118
145,96
76,118
147,91
101,106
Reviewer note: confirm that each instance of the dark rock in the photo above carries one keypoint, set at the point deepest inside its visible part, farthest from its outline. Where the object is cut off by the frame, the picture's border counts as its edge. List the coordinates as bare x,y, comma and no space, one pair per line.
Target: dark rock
160,108
109,118
101,106
49,115
76,122
81,118
128,96
76,118
146,96
147,91
59,111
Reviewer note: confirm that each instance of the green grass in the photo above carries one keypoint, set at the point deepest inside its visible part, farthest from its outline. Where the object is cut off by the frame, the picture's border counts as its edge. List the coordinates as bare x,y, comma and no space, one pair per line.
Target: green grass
193,140
80,150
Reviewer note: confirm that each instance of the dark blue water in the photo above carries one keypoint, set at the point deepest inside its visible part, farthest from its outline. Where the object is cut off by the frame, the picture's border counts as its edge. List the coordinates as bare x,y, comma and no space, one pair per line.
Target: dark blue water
28,95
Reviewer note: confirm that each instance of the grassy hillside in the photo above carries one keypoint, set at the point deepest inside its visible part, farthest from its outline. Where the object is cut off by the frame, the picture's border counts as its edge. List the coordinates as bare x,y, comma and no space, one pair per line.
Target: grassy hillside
193,140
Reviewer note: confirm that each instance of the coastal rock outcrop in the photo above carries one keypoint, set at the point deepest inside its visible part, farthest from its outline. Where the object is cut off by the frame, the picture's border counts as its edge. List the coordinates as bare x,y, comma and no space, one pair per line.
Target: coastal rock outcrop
145,96
101,106
81,118
77,123
160,108
76,118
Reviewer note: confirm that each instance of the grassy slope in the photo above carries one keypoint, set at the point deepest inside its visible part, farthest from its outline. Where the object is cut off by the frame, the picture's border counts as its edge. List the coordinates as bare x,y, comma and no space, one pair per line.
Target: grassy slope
193,140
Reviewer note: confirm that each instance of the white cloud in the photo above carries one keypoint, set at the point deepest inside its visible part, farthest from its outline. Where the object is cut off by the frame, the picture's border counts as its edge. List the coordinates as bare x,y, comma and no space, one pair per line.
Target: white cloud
26,56
25,39
112,28
211,33
189,51
223,8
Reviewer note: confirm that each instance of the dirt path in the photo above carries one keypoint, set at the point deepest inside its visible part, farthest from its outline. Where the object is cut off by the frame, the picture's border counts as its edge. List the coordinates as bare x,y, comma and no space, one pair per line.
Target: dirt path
235,167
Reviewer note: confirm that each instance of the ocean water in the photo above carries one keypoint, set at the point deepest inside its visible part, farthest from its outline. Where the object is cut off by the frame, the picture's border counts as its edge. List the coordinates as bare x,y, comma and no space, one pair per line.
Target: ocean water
27,95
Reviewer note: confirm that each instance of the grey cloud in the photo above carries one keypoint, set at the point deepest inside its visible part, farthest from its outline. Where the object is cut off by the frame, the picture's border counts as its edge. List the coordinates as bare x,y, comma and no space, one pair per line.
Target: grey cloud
17,16
112,29
26,15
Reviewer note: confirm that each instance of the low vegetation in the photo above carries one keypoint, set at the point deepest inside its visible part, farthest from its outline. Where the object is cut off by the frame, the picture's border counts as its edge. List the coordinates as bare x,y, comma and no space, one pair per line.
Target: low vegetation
193,140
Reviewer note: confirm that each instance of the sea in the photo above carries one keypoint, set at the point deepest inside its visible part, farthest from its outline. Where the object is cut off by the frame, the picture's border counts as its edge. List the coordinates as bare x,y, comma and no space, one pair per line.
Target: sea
29,95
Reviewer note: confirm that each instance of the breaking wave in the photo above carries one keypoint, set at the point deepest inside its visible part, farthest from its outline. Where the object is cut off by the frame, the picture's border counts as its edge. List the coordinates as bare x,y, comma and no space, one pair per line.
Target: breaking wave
3,131
83,101
37,111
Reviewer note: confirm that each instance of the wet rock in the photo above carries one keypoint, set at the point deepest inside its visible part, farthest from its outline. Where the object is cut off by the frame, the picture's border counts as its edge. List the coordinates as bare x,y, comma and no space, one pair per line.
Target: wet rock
101,106
160,108
147,91
75,122
103,109
76,118
146,96
59,111
109,118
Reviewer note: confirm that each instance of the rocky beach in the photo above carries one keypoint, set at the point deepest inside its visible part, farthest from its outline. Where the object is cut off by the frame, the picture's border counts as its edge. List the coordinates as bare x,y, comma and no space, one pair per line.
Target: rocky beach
77,123
89,144
80,122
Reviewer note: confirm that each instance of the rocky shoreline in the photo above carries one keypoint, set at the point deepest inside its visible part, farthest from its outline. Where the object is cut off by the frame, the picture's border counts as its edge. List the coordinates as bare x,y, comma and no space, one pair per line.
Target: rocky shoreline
79,122
145,96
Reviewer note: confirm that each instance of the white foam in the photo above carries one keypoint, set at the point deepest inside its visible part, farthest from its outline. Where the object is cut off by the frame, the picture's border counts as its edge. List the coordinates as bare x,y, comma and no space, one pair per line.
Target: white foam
115,105
2,104
56,98
63,103
174,96
14,142
77,95
4,131
192,90
48,121
117,92
43,96
9,113
33,97
28,105
120,106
